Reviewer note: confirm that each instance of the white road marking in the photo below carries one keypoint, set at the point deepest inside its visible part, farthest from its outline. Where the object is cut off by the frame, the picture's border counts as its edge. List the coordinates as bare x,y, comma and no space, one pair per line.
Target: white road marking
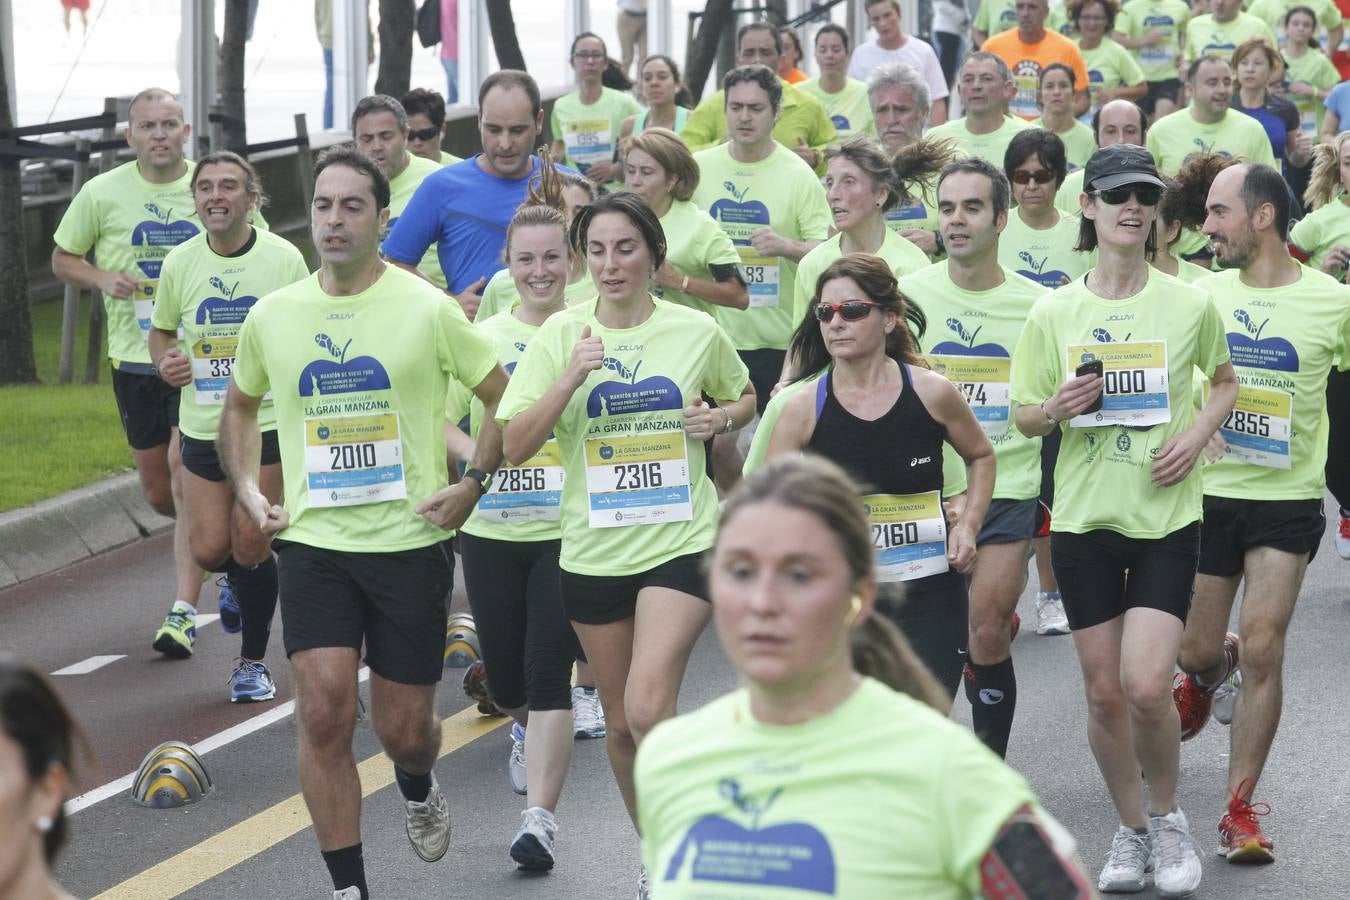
91,664
202,747
204,619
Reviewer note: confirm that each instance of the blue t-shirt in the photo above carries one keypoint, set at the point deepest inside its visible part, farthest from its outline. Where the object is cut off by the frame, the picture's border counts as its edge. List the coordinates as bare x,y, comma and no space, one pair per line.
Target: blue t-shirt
1277,116
464,211
1338,102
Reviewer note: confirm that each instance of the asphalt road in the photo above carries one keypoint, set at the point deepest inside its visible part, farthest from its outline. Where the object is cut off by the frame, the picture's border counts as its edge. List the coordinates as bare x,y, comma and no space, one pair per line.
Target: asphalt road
249,837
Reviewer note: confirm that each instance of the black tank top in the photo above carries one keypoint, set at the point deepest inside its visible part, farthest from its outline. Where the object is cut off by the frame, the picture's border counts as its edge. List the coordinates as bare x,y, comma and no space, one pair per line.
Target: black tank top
899,453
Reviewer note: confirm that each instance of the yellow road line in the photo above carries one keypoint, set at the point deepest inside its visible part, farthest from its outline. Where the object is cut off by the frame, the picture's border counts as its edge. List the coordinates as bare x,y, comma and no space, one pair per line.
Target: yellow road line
270,827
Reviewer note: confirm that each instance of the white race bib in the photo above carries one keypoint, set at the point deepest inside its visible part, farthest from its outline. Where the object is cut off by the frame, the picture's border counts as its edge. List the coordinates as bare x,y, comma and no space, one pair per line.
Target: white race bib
588,141
984,382
1135,383
354,460
909,534
1258,429
638,479
212,363
530,492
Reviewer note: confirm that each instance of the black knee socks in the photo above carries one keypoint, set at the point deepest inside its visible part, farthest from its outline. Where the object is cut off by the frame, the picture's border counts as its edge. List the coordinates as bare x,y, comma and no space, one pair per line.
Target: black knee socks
413,787
347,868
992,692
255,588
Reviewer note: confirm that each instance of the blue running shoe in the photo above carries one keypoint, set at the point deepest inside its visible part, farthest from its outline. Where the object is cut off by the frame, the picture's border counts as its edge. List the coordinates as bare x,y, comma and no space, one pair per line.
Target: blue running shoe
230,619
177,635
251,683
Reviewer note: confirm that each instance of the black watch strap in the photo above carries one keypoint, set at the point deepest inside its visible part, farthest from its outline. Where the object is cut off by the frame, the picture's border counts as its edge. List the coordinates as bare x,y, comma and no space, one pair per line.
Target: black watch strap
484,479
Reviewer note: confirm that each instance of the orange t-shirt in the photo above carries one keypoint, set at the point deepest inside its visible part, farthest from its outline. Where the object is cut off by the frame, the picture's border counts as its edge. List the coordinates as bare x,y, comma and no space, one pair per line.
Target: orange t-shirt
1027,61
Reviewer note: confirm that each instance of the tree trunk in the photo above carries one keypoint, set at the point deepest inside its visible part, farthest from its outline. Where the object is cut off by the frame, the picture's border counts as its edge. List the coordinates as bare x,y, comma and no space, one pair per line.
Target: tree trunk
231,74
17,365
502,24
95,358
398,19
702,51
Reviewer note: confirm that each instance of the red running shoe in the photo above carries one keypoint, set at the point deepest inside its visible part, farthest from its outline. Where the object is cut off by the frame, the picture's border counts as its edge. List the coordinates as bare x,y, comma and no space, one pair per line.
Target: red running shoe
1193,701
1240,837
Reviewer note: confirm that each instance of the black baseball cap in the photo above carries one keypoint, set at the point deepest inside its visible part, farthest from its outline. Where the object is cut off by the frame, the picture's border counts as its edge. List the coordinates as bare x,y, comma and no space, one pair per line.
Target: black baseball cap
1120,164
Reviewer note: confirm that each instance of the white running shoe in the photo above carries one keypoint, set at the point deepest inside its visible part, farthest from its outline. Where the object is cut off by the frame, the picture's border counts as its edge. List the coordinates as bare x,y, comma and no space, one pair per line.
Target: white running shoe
1225,698
515,767
1176,861
588,716
1050,617
532,847
429,824
1127,864
348,893
644,886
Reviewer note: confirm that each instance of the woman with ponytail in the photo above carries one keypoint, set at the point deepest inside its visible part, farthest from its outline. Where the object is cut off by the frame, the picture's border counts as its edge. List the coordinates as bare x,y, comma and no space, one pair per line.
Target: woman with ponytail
1182,207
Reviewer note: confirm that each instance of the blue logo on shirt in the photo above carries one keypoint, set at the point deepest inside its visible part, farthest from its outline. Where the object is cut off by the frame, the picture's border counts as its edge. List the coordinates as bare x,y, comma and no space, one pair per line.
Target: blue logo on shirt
968,346
1271,353
340,375
225,310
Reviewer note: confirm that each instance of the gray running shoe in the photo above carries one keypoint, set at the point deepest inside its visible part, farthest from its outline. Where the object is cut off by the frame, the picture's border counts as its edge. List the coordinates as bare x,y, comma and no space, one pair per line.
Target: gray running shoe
348,893
1176,860
644,887
1127,864
429,824
515,767
532,847
1050,617
588,716
1225,698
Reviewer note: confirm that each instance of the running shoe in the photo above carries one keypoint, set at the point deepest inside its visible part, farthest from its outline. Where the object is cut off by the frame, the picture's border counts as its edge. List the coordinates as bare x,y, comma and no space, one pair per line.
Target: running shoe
1225,698
588,716
1193,700
475,687
1050,617
348,893
429,824
1127,864
230,619
1343,536
644,886
1240,837
177,635
251,683
532,847
1176,863
515,767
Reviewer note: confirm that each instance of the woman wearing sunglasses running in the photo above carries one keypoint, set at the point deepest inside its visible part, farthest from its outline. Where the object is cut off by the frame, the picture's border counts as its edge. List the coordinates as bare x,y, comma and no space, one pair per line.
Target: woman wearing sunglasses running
877,411
1038,242
1108,360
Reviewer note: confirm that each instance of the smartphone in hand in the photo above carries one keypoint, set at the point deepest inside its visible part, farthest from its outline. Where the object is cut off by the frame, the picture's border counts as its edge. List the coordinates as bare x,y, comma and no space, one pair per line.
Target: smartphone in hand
1091,367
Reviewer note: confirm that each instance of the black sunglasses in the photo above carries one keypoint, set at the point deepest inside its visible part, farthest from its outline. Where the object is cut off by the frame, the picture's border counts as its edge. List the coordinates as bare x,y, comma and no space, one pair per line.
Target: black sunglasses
1147,194
850,310
423,134
1040,176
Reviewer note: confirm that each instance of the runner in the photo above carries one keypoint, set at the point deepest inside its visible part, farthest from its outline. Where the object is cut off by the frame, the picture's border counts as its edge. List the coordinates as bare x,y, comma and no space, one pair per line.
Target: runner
620,383
501,293
585,123
1028,49
1181,210
775,212
510,545
1056,100
863,183
380,129
801,123
358,358
844,98
1112,72
985,87
1257,63
1263,497
968,298
869,399
207,286
1220,31
1154,31
1127,496
898,97
1038,242
463,210
1208,125
426,125
131,218
665,95
997,16
1308,73
776,789
892,45
1325,13
1117,122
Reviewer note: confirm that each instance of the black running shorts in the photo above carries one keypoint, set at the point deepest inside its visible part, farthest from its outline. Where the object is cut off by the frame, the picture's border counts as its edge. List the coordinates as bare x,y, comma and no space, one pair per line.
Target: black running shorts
148,407
601,599
1103,573
394,603
1232,527
201,458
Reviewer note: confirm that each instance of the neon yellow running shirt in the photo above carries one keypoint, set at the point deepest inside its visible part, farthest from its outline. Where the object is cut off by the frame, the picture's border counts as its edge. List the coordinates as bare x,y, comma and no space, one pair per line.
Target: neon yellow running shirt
899,253
992,146
1174,138
1322,230
1045,257
401,189
849,109
1137,18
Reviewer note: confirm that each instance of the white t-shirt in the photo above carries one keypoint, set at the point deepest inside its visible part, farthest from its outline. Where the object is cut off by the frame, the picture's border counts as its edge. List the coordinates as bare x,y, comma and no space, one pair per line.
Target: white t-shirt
914,51
950,16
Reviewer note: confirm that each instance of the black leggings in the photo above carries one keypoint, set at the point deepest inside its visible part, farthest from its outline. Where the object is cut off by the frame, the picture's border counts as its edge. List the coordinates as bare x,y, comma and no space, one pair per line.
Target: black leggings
528,645
934,615
1338,442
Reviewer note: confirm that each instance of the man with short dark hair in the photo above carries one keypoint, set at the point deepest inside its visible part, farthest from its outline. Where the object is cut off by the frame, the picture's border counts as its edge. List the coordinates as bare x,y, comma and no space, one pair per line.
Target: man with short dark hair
1208,125
892,45
802,126
463,210
985,86
426,125
1028,49
1263,519
358,359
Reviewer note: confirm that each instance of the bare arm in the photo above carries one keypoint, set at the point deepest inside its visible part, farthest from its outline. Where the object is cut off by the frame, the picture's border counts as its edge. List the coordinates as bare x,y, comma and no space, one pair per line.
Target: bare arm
1331,124
969,440
529,429
79,272
731,293
450,506
240,447
938,114
1073,397
770,243
170,361
1177,457
1080,101
795,424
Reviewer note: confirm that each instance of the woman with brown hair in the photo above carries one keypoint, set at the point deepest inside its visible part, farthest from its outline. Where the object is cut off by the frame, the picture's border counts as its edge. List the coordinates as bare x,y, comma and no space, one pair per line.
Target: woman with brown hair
1256,64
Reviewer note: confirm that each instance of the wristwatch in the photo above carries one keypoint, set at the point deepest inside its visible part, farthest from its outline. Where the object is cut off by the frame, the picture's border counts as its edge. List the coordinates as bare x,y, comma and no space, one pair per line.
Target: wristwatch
484,479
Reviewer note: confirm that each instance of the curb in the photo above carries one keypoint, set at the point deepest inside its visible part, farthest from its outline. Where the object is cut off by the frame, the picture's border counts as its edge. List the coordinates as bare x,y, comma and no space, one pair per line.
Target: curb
74,526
